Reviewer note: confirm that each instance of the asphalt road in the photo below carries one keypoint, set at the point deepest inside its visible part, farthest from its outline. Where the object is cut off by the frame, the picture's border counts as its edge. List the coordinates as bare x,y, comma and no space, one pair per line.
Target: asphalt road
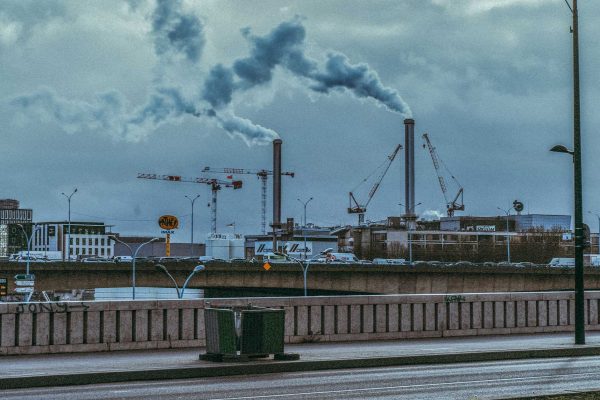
474,381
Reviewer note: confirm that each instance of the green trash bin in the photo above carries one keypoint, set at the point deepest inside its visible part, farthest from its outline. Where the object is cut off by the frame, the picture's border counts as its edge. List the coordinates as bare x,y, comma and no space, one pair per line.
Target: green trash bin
241,333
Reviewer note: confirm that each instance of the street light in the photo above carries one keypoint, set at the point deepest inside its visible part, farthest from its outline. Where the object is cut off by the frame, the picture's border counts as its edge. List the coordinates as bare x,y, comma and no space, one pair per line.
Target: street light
180,292
192,234
409,231
577,186
304,203
28,238
133,257
507,212
303,266
598,216
69,233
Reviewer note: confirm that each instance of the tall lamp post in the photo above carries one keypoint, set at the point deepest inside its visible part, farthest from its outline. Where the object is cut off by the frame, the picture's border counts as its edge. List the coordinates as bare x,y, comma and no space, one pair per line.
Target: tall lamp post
133,257
180,292
192,230
69,232
28,238
304,203
409,233
577,186
597,216
507,212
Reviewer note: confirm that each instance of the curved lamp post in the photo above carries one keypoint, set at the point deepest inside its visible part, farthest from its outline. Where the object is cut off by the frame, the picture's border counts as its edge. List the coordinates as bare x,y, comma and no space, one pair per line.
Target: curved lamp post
192,201
302,265
69,215
28,238
507,212
133,257
197,268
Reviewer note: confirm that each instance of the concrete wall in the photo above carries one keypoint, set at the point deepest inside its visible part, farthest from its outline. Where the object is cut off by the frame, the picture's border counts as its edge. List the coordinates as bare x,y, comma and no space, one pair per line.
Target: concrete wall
124,325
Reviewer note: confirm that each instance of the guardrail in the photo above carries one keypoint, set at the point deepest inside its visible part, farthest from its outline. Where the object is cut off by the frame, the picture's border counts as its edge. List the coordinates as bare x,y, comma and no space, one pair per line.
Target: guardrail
125,325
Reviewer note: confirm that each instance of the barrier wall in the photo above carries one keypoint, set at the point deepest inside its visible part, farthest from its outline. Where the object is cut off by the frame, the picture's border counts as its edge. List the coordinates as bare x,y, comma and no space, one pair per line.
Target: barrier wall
125,325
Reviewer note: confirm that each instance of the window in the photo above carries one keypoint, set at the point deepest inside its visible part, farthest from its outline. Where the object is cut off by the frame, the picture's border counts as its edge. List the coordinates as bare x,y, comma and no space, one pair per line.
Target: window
77,242
96,241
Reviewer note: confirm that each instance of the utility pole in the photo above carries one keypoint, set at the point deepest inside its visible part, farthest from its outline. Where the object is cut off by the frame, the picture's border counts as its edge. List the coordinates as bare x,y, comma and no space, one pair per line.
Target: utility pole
68,246
192,229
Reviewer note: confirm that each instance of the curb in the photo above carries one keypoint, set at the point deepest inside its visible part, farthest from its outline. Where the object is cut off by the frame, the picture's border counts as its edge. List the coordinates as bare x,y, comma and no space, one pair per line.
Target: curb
287,366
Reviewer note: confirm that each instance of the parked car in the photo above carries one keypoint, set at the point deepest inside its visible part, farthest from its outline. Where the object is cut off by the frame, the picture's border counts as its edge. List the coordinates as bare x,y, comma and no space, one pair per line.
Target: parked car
389,261
96,260
123,259
206,258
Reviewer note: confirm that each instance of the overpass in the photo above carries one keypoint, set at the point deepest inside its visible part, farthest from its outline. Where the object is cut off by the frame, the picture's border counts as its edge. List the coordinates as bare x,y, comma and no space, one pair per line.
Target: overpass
359,278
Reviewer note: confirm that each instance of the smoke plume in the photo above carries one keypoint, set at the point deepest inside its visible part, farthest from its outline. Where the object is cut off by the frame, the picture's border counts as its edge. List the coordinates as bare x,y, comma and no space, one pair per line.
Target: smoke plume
179,39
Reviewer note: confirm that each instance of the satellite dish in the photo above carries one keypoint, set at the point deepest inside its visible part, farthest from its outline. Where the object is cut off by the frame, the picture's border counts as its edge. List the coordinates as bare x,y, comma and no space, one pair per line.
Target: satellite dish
518,206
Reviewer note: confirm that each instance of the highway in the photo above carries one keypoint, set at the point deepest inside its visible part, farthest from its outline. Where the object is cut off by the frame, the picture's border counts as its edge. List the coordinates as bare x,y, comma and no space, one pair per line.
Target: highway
489,380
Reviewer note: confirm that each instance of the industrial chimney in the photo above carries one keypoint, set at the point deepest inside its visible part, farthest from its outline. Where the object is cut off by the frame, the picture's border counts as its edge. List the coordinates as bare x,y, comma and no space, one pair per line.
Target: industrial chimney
409,166
276,189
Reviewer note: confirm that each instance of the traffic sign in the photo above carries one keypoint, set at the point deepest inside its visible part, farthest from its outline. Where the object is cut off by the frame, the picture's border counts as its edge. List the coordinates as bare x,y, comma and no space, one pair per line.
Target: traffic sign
25,283
24,289
25,277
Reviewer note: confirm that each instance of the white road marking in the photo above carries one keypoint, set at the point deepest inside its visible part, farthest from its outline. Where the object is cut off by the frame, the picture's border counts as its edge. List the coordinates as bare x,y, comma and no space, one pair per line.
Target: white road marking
428,385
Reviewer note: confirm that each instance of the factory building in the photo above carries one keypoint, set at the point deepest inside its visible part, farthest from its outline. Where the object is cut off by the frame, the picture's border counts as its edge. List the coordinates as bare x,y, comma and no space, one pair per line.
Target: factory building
533,238
12,238
310,240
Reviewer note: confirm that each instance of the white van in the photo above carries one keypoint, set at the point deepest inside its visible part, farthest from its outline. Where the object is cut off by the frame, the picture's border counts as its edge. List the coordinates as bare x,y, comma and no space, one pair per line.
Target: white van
389,261
342,257
123,259
562,262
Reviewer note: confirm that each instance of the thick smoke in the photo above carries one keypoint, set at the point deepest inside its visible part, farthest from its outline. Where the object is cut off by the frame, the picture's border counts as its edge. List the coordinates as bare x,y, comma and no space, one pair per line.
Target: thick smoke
284,47
175,33
179,37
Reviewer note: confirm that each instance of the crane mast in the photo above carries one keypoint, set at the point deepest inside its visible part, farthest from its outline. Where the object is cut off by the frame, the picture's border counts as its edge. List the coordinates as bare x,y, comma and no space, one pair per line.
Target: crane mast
454,204
215,186
262,174
355,207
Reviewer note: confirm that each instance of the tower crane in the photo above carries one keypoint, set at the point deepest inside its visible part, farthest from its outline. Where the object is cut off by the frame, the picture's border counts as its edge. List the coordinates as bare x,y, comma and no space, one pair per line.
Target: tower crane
355,207
262,174
215,186
456,204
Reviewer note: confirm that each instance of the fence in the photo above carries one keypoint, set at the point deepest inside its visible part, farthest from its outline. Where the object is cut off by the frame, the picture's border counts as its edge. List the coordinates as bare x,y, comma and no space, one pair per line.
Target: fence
125,325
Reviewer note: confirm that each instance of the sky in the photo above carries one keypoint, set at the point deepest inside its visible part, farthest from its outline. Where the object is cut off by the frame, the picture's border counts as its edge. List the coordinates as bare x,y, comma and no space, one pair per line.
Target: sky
93,93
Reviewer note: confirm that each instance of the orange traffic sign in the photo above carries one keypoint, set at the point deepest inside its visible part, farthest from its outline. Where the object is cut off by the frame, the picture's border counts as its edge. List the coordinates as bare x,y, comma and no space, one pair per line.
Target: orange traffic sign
267,266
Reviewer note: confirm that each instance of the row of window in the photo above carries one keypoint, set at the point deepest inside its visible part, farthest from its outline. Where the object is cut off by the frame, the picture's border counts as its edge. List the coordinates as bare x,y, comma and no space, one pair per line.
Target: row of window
89,241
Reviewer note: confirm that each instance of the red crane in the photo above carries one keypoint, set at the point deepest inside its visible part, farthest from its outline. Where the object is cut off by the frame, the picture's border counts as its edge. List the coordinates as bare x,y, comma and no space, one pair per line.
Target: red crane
215,186
262,175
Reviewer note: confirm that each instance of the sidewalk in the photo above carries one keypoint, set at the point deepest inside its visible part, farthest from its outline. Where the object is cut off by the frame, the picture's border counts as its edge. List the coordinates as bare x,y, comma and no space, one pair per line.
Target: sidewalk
122,366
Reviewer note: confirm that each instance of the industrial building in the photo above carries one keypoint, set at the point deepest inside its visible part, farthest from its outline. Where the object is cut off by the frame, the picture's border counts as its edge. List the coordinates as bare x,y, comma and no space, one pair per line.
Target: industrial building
86,239
12,238
306,242
533,237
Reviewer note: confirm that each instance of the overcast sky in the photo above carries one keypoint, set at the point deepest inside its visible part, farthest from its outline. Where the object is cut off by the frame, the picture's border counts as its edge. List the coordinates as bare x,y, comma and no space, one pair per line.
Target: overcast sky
95,92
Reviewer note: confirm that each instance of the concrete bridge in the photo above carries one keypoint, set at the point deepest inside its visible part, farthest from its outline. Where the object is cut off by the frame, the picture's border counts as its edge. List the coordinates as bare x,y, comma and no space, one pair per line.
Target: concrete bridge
422,279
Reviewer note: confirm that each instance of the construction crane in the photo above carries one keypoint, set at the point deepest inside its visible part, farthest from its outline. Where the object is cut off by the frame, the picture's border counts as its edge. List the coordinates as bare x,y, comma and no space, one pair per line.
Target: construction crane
456,204
262,174
355,207
215,186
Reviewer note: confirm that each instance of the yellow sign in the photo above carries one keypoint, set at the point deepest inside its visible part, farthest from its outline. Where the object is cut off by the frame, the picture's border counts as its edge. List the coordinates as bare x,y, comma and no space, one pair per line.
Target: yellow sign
267,266
168,222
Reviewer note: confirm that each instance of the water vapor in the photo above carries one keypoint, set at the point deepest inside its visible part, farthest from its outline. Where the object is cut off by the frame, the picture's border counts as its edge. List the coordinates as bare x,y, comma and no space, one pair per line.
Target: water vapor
178,39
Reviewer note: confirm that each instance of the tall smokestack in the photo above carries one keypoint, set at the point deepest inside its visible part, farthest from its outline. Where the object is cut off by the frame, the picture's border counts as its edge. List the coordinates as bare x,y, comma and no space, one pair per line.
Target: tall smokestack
276,188
409,166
